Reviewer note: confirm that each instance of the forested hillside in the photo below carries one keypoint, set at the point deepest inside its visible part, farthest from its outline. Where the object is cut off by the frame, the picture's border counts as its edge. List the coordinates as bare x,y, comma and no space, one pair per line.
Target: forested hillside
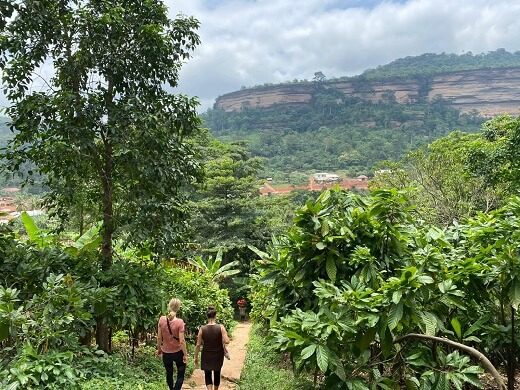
329,134
413,284
350,123
431,64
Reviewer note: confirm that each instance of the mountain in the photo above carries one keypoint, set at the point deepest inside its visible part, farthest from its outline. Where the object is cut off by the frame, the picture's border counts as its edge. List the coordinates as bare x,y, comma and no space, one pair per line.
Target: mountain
487,83
351,123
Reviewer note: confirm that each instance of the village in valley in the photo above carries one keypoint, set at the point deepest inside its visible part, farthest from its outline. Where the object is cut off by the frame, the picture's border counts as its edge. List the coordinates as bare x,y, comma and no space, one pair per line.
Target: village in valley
317,182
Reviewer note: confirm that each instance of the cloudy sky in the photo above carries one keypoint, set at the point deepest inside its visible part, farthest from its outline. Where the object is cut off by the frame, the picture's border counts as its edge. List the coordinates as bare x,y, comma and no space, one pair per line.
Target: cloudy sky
248,42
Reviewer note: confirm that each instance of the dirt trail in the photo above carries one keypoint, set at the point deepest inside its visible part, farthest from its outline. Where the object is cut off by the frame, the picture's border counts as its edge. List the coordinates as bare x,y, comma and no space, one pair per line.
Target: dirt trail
232,368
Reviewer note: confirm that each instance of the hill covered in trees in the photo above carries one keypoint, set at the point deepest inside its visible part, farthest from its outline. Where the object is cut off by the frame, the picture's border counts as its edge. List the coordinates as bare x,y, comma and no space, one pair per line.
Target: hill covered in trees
433,64
351,123
352,136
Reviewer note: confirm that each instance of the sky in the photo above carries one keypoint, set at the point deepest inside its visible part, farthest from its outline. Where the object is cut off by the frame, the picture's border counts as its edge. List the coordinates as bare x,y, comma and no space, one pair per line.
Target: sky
250,42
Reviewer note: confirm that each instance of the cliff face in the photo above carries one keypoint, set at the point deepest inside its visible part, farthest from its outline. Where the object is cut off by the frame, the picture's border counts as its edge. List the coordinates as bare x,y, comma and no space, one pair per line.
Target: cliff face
488,91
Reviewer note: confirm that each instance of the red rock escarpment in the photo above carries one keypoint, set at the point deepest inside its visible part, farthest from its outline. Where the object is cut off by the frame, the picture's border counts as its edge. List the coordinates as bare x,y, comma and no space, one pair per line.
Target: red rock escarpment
488,91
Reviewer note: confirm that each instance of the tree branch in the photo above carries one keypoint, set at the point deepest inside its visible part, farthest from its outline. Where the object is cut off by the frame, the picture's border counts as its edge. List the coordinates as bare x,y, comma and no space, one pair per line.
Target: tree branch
479,356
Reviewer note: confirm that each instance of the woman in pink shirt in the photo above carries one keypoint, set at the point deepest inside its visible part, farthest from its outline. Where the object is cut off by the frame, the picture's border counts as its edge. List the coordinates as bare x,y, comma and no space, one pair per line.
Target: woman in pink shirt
172,345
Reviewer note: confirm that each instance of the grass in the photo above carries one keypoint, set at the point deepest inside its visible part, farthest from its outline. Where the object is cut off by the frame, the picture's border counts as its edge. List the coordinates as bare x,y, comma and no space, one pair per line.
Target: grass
263,368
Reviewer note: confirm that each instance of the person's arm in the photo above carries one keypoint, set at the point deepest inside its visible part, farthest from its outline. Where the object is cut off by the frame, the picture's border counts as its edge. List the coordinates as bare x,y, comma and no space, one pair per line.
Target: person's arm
225,337
197,348
182,341
159,338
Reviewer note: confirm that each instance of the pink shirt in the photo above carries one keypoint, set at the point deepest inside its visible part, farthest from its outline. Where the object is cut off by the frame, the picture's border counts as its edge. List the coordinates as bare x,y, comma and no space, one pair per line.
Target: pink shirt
169,343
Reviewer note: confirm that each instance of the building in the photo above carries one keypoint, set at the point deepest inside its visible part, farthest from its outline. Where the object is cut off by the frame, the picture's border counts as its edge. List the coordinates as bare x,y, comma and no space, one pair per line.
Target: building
324,177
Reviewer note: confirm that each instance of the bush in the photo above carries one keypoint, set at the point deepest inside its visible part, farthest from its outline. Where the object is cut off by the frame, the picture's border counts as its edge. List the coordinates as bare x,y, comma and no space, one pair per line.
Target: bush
263,368
49,310
197,291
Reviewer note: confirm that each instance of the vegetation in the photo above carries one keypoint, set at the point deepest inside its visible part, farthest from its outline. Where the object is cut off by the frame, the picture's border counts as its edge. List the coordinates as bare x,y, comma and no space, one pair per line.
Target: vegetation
336,134
431,64
414,285
355,276
423,66
264,369
445,190
50,295
119,134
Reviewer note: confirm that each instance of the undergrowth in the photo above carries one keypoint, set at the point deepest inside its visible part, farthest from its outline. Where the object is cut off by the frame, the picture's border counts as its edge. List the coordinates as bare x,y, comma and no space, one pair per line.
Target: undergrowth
264,368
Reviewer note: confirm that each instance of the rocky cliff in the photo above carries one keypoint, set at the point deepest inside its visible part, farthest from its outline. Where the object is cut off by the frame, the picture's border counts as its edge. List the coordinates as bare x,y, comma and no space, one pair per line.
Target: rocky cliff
488,91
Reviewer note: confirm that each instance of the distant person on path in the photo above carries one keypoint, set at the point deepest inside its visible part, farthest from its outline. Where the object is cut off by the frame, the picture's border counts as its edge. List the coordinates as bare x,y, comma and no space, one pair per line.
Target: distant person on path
212,338
172,345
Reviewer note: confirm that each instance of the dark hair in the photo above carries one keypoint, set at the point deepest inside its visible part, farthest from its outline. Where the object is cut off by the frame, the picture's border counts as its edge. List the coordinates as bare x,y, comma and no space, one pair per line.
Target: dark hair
211,312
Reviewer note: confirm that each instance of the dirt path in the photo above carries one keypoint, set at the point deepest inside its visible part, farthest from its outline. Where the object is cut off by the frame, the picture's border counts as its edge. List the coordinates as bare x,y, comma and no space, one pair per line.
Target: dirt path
232,368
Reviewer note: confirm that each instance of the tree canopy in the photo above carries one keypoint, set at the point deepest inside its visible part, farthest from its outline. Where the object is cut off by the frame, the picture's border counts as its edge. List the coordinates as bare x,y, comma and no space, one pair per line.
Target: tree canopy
103,128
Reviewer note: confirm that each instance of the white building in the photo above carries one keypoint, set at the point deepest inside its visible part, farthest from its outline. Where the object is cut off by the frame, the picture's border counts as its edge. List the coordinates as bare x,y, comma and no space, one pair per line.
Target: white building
324,177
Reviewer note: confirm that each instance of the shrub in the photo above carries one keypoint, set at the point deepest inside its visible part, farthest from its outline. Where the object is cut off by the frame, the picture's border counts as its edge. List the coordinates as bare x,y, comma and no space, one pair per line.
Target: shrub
197,291
263,368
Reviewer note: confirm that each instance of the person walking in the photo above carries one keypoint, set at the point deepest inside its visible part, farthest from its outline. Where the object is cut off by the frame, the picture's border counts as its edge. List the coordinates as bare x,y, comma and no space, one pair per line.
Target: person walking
172,345
212,337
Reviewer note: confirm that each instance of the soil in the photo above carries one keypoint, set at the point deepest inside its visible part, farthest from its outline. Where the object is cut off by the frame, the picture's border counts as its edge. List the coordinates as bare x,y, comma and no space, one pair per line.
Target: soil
232,368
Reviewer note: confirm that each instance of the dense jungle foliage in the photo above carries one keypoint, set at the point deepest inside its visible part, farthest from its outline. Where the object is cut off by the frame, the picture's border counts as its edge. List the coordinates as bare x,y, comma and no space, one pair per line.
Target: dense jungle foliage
353,280
358,286
334,133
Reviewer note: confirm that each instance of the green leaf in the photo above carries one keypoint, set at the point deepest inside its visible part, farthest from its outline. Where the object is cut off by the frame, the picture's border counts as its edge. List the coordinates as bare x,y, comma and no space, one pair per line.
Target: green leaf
477,325
90,240
340,371
412,383
308,351
395,315
258,252
514,293
396,296
33,232
430,323
425,279
331,268
455,324
321,245
322,358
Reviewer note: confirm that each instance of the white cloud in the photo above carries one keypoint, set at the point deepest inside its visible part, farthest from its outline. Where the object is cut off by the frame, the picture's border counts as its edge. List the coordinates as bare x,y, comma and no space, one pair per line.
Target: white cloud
252,42
248,42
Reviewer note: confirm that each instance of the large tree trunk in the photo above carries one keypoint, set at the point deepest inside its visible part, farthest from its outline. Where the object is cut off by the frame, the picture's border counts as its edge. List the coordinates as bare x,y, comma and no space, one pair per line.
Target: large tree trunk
102,329
108,212
103,335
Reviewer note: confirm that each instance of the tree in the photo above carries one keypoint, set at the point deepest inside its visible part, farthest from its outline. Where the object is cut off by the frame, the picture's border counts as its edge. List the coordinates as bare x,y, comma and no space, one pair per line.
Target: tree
225,205
496,153
104,120
358,283
444,189
319,77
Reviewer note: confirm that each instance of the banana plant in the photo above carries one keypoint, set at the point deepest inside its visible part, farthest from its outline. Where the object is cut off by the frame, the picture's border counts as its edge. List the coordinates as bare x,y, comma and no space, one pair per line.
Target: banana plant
89,241
214,267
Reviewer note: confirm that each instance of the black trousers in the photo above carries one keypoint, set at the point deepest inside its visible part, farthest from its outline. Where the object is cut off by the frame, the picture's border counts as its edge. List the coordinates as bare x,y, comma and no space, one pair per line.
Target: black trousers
216,377
168,360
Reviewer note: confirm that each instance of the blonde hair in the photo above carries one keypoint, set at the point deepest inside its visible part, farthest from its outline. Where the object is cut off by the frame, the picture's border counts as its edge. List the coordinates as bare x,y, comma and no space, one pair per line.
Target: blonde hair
174,305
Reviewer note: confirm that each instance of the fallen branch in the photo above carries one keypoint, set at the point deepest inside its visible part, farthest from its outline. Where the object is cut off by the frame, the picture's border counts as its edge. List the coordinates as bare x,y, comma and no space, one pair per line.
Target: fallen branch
482,359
